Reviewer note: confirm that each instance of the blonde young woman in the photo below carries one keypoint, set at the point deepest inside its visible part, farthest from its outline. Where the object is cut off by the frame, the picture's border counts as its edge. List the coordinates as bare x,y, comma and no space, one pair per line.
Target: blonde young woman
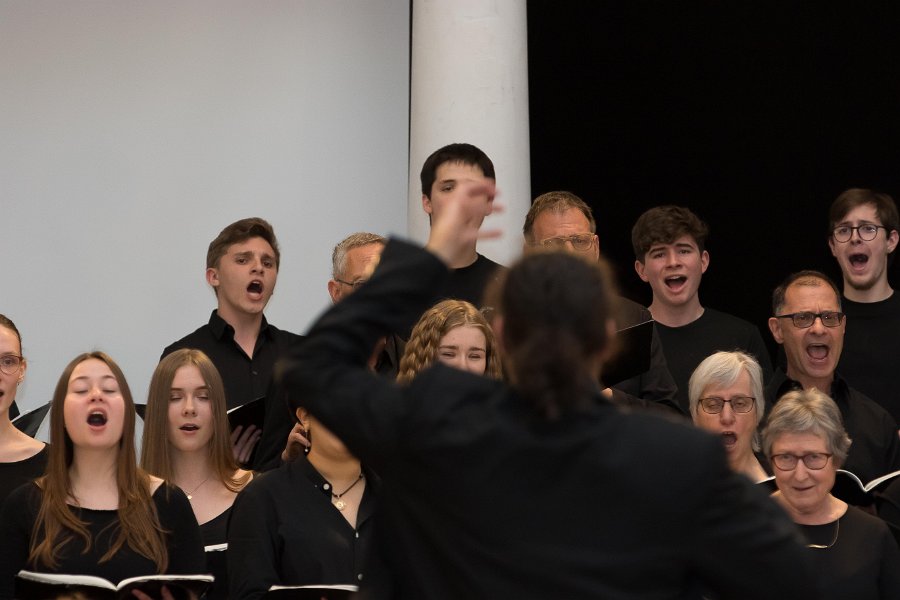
22,458
187,441
95,512
456,334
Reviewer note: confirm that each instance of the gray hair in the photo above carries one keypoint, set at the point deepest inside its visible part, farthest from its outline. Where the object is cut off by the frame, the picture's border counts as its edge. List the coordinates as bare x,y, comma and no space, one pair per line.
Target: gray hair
808,411
722,369
354,240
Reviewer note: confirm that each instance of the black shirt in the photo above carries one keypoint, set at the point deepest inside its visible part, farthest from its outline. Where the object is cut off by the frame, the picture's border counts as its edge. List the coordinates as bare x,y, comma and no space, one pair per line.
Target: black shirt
469,283
19,514
284,530
863,562
245,378
687,346
870,360
213,533
875,450
14,474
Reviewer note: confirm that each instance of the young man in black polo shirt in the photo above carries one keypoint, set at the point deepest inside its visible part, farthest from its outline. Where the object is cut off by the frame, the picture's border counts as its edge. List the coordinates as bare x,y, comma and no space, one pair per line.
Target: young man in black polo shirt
863,237
670,254
242,268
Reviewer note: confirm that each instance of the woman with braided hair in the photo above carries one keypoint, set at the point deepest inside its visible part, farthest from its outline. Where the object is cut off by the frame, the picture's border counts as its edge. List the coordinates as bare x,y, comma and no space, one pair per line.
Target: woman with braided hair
455,333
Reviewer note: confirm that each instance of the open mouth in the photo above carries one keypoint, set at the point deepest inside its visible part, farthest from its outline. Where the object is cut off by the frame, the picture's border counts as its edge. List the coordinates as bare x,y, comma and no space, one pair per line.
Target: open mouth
189,427
675,281
729,438
817,351
858,260
96,419
255,287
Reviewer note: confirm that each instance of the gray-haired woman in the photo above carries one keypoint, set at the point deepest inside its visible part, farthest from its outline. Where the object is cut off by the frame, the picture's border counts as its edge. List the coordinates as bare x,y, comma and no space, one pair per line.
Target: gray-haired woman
726,398
855,554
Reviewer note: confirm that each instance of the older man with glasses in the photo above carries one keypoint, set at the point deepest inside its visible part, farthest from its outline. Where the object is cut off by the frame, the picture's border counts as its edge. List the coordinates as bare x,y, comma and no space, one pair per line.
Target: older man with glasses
807,320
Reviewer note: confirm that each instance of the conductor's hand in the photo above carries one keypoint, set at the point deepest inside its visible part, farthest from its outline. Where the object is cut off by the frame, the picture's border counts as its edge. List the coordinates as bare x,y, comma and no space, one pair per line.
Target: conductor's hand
457,226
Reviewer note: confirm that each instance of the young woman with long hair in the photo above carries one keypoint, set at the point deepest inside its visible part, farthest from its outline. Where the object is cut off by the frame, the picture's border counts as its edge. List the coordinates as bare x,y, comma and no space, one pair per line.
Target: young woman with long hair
22,458
187,442
95,512
455,333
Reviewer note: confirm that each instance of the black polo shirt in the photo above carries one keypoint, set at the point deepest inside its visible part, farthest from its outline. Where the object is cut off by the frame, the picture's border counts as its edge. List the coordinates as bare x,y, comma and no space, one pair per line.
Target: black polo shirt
245,378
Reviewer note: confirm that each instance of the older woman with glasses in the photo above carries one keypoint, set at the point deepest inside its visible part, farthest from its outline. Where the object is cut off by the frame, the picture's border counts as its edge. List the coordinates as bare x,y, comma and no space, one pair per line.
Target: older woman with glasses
726,398
855,554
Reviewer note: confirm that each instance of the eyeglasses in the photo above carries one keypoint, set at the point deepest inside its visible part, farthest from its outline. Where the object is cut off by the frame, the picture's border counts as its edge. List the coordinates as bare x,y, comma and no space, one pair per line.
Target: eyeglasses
11,363
580,242
867,232
739,404
803,320
354,284
788,462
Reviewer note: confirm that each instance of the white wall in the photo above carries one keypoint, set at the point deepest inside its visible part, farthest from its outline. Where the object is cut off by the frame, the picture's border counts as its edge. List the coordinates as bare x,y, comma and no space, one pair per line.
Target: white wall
132,132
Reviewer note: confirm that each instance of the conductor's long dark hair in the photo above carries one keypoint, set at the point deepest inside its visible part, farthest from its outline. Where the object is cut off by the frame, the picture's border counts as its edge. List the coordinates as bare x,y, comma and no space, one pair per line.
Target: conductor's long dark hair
555,309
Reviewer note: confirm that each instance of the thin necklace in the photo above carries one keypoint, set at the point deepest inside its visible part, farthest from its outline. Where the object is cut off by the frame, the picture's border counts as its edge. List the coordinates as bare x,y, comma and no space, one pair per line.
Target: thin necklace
194,491
837,530
338,503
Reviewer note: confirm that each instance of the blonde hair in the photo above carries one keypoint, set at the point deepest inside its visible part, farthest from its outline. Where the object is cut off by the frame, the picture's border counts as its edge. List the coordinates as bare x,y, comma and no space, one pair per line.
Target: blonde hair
422,348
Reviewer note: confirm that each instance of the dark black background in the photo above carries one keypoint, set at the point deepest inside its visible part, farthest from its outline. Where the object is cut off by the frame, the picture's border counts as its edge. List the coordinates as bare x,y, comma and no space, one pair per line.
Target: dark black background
755,115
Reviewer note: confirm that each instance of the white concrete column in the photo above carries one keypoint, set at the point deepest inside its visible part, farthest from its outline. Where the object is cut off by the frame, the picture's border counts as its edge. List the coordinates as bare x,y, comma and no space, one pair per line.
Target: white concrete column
469,83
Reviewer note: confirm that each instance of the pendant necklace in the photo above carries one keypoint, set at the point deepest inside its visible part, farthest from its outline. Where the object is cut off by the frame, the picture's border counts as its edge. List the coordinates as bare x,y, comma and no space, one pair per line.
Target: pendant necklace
194,491
338,503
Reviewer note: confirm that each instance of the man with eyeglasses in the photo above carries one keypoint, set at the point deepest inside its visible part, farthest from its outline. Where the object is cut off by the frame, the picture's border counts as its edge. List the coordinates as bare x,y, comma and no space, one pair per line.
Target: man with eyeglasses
807,320
442,173
863,236
669,245
563,221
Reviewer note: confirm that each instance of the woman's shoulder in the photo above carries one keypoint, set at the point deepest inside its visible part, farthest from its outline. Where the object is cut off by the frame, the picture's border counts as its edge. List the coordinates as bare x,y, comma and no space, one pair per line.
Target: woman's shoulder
154,484
22,449
28,493
859,519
